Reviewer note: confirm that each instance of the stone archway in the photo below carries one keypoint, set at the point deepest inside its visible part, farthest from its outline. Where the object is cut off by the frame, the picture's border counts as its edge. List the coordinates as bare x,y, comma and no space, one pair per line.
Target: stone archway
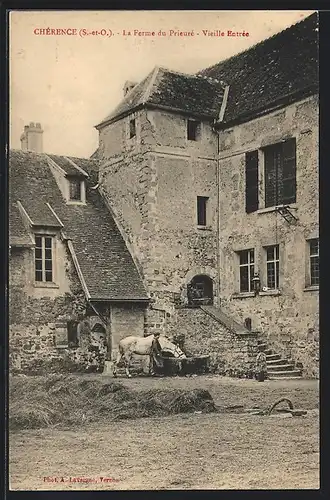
200,290
211,276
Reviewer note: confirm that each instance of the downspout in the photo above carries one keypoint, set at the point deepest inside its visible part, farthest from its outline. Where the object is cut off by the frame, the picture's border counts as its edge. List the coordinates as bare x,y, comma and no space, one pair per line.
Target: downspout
220,119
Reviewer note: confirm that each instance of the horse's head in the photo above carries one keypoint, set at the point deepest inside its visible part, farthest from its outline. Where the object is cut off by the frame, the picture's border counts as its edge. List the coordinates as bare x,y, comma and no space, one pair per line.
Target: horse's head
165,343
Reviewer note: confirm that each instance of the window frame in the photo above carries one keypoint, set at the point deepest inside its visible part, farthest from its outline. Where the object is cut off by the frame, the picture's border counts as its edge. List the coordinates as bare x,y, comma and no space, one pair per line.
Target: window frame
251,266
43,259
132,128
202,210
197,130
312,257
275,260
79,182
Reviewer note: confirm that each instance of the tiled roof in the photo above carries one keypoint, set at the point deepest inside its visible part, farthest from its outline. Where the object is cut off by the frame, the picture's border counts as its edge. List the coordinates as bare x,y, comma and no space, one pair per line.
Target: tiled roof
192,94
69,167
196,95
281,66
105,262
19,235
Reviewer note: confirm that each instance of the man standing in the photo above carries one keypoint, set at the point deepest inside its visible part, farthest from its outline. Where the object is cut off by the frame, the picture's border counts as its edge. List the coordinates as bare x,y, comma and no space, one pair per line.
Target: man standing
261,367
156,361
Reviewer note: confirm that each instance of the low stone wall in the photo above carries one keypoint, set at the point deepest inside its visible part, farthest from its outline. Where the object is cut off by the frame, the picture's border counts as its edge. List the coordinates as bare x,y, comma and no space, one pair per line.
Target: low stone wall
32,350
230,354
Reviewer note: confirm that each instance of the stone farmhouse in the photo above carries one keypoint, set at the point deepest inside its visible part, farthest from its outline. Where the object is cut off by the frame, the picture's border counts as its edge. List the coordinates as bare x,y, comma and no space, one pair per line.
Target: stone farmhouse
197,215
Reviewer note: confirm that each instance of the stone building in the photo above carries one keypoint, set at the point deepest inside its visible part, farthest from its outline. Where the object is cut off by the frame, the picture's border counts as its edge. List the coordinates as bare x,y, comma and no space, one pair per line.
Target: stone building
210,182
72,278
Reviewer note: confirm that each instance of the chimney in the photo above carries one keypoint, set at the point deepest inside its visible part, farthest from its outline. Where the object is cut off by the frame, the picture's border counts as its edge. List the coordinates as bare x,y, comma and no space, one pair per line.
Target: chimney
128,86
31,139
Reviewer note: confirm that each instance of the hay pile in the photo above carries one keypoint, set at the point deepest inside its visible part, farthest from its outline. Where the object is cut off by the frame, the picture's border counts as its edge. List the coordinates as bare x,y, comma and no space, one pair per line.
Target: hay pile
61,400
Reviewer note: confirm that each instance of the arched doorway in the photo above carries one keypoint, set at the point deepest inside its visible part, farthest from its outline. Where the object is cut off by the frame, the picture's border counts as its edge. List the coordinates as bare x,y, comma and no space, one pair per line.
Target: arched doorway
200,291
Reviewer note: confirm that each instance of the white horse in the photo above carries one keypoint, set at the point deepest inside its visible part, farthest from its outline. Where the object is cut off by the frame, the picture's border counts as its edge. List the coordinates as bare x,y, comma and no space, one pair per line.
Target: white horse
142,346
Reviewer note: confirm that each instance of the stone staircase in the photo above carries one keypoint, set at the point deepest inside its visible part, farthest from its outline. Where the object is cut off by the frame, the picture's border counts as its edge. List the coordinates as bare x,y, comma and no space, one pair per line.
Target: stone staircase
278,367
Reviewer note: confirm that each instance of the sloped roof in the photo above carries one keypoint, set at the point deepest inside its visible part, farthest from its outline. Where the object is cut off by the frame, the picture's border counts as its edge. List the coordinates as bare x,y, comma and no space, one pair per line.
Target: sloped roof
105,262
193,94
69,166
281,66
19,235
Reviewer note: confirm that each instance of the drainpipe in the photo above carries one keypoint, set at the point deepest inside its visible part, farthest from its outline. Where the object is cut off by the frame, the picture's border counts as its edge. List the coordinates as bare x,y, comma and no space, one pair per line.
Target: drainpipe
220,119
218,218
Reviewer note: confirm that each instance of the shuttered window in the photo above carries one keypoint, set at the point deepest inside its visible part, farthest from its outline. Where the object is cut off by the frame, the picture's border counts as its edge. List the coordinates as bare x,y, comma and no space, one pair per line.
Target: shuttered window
280,173
251,182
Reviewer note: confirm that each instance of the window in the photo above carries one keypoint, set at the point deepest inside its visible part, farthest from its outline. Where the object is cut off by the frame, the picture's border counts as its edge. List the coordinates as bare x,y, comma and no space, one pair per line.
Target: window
75,189
201,210
280,173
72,331
246,270
193,130
66,334
43,257
132,128
314,261
251,182
273,263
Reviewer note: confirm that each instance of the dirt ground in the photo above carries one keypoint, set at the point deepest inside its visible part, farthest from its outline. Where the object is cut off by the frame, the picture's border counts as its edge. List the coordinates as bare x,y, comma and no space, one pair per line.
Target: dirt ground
195,451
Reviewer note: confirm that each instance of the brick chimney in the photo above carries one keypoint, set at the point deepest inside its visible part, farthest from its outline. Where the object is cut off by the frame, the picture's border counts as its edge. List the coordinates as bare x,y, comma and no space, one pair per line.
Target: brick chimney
128,86
31,139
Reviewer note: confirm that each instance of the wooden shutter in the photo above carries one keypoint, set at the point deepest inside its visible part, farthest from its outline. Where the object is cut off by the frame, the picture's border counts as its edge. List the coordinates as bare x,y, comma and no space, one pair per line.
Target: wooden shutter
61,335
251,182
273,158
288,186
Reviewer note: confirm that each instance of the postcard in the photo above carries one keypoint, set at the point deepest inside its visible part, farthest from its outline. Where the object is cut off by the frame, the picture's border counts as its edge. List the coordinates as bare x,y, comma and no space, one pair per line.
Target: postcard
163,250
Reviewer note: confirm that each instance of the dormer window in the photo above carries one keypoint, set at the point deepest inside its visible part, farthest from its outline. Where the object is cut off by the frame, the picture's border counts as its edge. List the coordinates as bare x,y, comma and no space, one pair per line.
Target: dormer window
76,190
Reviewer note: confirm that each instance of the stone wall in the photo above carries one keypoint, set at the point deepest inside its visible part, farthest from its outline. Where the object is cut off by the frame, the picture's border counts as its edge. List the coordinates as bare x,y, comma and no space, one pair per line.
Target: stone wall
288,317
151,182
126,320
34,310
230,354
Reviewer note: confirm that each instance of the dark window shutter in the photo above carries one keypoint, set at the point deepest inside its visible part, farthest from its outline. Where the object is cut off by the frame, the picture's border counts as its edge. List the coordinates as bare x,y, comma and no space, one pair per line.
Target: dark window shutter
72,332
251,182
271,163
288,194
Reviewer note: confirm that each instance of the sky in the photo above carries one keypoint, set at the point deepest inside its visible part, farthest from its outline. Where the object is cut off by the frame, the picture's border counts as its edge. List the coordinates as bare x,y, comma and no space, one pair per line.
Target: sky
69,83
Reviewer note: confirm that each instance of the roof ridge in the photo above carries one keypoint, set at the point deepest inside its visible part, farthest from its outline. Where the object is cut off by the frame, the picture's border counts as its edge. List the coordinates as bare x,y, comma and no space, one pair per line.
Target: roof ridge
193,75
261,42
148,90
125,100
43,154
82,171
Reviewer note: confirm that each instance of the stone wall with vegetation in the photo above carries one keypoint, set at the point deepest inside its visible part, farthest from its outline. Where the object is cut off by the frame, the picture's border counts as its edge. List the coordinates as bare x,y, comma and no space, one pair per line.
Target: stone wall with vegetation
230,354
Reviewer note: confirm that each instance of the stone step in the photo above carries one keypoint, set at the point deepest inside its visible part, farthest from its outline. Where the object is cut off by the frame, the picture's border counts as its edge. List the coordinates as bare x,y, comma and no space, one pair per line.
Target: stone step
268,352
271,357
262,347
277,361
285,374
279,368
